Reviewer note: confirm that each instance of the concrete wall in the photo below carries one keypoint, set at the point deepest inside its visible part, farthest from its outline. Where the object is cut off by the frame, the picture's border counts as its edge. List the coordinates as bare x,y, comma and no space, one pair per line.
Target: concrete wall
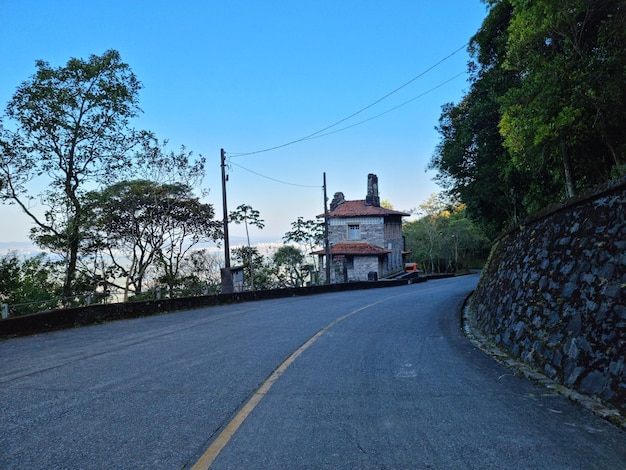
553,294
99,313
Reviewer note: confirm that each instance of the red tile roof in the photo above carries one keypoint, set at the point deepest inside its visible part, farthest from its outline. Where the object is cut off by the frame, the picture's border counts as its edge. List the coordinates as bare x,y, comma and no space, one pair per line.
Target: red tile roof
354,248
359,209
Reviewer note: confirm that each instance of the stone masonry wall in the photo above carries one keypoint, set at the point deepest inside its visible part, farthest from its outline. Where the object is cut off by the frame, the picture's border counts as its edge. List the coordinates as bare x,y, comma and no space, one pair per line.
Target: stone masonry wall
553,294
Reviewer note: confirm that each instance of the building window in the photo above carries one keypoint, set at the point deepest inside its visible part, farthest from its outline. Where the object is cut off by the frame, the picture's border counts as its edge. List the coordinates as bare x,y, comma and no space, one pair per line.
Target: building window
354,232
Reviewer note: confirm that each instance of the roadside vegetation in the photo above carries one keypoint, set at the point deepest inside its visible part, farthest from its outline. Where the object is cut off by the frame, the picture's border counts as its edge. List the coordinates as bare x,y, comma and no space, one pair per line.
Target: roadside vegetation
444,239
119,214
544,116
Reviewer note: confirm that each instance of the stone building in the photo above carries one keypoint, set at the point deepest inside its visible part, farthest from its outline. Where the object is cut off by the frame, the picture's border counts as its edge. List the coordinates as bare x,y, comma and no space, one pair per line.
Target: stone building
365,239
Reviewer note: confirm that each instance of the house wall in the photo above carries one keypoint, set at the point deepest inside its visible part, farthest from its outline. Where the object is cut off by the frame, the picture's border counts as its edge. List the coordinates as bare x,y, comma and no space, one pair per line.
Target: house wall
362,267
385,232
395,242
372,229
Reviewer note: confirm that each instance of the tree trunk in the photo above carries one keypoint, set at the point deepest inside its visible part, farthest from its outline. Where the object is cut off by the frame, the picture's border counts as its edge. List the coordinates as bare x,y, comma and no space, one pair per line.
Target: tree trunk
567,166
70,271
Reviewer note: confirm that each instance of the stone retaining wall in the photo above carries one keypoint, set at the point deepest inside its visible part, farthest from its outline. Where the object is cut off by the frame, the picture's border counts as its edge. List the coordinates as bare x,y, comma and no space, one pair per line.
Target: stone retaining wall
553,294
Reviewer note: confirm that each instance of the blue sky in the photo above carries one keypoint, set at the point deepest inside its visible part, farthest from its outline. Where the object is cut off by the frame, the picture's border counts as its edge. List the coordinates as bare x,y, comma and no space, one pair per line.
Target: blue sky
251,75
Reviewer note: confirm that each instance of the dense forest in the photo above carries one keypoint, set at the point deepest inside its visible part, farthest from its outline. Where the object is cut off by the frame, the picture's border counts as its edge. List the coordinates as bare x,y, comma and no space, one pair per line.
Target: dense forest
544,116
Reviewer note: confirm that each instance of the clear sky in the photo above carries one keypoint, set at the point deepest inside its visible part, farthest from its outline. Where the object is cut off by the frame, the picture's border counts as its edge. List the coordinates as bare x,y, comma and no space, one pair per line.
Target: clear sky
251,75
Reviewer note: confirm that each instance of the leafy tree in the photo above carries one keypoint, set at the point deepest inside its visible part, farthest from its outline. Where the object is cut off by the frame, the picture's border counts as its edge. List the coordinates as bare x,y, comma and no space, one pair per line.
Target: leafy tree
469,246
200,272
153,161
185,222
29,285
292,270
545,112
143,224
444,239
260,274
309,233
472,163
70,126
248,216
130,216
565,118
428,230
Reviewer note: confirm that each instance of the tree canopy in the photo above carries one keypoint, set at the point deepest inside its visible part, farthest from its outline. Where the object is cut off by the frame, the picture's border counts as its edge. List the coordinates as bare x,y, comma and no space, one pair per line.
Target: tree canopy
443,238
151,225
115,203
69,125
544,115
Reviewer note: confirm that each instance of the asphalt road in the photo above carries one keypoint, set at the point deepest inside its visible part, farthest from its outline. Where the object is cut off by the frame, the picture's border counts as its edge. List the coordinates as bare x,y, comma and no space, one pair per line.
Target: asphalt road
382,378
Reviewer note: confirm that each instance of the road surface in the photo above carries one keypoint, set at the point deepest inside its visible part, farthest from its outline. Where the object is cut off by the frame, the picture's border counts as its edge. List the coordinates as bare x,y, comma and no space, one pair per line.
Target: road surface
381,378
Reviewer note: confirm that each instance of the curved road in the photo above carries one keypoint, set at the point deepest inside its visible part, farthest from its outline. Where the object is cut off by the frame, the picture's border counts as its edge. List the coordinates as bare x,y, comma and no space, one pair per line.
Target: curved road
381,378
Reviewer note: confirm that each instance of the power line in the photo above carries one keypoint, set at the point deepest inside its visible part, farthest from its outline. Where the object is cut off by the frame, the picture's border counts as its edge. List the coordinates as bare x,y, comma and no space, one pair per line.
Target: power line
311,136
389,110
273,179
343,129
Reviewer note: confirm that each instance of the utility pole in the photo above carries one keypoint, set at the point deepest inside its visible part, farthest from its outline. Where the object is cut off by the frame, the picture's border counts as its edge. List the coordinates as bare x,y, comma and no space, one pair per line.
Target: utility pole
227,276
326,241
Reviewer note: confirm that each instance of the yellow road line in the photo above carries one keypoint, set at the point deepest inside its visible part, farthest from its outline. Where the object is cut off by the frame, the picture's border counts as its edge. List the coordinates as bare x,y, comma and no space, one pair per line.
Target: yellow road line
225,436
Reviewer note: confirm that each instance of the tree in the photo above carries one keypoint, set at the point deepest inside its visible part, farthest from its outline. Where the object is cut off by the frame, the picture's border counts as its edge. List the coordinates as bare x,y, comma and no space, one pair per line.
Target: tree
248,216
143,224
153,161
545,112
565,118
71,127
200,271
444,239
472,163
292,271
261,275
309,233
185,222
432,209
29,285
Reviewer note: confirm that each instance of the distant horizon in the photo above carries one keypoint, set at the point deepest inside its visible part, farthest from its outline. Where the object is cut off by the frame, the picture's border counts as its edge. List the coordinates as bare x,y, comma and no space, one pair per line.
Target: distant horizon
290,90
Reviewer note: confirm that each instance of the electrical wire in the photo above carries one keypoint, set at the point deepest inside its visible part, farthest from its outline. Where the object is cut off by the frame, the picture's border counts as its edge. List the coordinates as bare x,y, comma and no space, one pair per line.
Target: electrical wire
343,129
273,179
389,110
314,134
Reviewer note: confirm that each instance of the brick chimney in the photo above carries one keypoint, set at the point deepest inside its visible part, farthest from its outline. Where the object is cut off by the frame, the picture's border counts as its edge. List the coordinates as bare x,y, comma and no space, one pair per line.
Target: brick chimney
372,198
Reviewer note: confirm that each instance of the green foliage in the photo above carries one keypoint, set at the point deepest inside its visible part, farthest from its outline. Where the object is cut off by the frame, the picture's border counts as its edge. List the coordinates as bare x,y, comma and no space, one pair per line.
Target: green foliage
143,224
249,216
200,271
309,233
71,125
444,239
289,261
30,285
559,120
545,112
257,273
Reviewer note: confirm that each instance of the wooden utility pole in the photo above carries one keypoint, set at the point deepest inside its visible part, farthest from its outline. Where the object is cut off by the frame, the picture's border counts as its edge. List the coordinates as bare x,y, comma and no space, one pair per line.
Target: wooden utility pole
326,241
227,276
